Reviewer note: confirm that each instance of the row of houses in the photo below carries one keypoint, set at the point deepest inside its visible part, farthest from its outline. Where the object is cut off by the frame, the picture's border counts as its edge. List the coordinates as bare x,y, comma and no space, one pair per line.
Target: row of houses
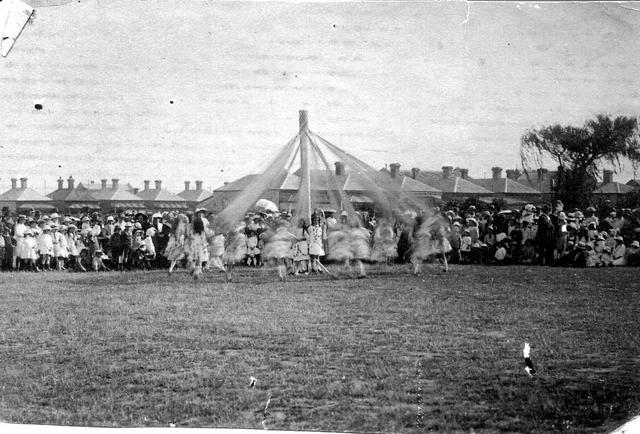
75,198
414,186
450,184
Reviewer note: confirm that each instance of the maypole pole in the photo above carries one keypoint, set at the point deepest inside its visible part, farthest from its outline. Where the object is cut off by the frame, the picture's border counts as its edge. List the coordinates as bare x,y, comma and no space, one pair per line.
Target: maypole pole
304,194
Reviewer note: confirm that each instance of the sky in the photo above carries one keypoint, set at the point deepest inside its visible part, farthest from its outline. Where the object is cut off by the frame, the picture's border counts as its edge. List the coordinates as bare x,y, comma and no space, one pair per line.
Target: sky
185,90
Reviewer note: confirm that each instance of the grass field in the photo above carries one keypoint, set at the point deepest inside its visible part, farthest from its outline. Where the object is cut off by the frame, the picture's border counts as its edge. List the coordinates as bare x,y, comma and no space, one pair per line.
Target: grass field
392,353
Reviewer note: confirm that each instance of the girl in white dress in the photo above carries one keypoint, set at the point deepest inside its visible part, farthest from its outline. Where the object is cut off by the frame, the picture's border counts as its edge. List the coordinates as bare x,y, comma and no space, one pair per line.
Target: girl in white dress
29,253
45,247
301,248
72,246
316,241
60,247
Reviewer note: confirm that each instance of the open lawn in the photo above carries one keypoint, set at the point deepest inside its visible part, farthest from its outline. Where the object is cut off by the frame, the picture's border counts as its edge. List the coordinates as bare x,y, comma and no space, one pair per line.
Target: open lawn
393,352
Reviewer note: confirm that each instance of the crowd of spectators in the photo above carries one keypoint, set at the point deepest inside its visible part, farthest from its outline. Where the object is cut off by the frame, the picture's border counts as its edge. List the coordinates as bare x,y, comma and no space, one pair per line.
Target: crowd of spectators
545,235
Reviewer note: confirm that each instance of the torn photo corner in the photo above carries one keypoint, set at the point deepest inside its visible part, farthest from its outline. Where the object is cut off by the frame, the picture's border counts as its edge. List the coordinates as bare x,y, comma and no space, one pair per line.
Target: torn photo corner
14,15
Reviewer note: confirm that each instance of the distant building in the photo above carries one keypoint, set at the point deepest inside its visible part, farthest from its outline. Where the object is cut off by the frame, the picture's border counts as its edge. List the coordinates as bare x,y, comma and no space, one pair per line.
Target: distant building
157,199
194,196
72,200
454,184
115,197
543,180
508,189
358,188
616,192
24,198
635,183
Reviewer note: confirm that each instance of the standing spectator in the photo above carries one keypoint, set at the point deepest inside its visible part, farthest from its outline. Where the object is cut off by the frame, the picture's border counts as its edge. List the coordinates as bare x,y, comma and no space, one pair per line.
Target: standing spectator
455,239
633,254
115,245
545,239
619,253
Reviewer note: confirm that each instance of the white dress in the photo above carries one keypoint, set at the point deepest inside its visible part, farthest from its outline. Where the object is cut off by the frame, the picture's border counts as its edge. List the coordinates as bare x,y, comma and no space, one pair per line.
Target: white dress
72,248
45,244
30,248
18,235
315,240
62,246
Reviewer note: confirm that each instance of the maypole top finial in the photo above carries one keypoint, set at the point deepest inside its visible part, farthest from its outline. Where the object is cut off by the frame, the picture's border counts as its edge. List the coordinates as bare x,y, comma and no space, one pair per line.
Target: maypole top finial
304,120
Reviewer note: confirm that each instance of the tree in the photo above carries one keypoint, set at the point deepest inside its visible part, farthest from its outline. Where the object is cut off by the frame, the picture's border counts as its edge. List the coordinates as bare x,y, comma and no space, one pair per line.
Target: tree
582,152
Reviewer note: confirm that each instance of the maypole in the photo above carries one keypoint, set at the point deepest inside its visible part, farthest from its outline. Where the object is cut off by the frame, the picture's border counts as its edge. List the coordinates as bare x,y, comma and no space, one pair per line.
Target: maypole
304,198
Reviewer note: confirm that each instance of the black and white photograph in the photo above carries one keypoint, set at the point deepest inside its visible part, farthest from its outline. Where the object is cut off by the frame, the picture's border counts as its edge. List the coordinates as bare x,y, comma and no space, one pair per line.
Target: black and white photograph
315,216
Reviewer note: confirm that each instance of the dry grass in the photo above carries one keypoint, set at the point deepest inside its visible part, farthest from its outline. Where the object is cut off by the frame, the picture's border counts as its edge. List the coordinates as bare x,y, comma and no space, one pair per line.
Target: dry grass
390,353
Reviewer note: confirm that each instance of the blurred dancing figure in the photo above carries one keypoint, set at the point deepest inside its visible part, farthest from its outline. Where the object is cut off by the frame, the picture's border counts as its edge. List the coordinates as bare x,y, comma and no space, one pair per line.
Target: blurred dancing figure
385,248
176,249
235,250
216,250
338,242
347,243
430,238
277,247
360,242
198,252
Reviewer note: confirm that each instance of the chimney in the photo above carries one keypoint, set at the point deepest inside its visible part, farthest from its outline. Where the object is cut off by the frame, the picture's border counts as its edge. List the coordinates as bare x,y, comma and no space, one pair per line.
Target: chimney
23,182
146,184
446,172
71,183
136,190
199,185
395,168
497,172
14,183
186,185
511,174
104,184
339,168
60,183
158,184
541,173
114,183
464,173
607,176
414,172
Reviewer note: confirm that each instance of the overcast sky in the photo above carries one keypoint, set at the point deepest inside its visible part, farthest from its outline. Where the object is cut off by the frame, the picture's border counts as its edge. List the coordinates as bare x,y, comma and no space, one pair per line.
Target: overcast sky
178,90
